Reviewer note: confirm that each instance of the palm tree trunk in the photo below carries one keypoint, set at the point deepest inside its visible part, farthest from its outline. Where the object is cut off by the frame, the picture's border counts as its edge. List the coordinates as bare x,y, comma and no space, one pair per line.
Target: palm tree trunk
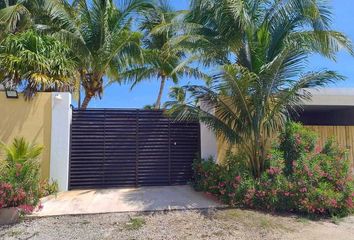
81,81
162,85
86,101
79,100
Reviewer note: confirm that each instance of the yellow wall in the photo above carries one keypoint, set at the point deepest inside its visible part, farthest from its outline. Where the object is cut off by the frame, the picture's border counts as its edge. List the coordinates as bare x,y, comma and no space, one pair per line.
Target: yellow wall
344,135
28,119
222,149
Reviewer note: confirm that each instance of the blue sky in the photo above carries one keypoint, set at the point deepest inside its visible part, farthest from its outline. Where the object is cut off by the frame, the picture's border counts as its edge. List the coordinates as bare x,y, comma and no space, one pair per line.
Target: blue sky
120,96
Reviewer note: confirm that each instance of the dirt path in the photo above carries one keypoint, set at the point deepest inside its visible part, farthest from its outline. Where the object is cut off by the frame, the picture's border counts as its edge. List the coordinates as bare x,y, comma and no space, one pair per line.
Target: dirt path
222,224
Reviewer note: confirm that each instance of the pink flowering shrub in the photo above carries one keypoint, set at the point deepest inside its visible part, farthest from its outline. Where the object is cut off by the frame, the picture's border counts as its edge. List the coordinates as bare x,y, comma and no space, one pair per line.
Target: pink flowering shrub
20,184
11,196
319,182
296,142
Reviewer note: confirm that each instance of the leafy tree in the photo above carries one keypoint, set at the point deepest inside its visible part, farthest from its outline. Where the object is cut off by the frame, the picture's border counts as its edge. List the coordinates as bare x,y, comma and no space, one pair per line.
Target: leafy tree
97,31
33,26
262,48
161,58
43,15
14,16
36,62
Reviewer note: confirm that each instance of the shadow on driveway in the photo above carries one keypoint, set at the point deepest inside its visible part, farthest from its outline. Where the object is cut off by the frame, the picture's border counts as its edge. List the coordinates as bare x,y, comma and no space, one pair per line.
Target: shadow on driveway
125,200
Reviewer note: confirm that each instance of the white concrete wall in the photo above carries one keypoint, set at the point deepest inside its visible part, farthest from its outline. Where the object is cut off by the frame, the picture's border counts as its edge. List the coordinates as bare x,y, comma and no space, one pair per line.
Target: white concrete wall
207,138
208,143
60,139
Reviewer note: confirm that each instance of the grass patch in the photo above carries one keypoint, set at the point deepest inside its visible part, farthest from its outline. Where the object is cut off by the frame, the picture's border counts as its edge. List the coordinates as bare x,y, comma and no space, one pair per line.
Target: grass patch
336,220
14,233
303,220
135,223
84,222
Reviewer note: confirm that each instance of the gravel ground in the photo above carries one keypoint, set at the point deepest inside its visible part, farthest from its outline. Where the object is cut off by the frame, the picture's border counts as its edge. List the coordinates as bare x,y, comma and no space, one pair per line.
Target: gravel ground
222,224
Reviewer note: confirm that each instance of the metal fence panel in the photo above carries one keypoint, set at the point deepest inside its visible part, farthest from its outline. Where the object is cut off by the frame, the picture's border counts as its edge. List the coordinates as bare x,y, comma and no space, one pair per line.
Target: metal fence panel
125,148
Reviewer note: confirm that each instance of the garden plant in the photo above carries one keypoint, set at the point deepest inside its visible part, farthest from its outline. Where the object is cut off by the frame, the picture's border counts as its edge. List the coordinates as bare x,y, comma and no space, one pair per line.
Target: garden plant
20,183
299,177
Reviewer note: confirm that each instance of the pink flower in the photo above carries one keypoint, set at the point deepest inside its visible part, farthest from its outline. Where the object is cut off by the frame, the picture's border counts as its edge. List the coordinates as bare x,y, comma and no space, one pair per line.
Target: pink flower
238,179
303,190
273,170
26,208
6,186
40,206
333,202
222,184
349,202
318,149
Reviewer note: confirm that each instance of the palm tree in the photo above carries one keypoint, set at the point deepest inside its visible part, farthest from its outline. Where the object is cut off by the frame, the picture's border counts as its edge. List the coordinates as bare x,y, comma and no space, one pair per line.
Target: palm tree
161,59
20,167
44,15
97,31
262,47
104,41
20,152
51,66
36,62
14,16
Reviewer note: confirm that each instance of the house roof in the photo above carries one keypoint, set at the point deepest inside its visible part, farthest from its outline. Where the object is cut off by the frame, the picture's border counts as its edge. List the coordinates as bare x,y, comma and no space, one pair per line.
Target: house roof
330,97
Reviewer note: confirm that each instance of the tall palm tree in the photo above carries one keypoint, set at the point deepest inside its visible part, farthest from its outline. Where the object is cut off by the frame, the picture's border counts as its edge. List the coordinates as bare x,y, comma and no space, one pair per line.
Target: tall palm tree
36,62
98,31
31,56
104,41
262,47
161,59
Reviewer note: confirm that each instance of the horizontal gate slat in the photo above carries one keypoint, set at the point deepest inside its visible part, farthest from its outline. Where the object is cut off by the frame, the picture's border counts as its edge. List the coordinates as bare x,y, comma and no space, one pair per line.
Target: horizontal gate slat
124,148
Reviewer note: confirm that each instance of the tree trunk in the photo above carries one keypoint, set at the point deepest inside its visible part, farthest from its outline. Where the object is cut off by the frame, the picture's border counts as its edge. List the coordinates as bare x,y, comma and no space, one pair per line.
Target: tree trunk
162,85
79,100
81,81
86,101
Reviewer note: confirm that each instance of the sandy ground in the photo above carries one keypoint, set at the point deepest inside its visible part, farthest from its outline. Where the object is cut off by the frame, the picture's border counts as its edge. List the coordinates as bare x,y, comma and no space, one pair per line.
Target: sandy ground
219,224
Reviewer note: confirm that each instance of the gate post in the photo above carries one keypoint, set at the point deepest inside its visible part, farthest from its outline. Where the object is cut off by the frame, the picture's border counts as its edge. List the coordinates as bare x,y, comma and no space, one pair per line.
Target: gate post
60,139
208,141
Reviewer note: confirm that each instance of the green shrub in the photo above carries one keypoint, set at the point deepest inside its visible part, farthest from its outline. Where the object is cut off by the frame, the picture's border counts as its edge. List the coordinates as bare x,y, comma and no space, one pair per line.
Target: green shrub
319,181
48,188
20,184
295,142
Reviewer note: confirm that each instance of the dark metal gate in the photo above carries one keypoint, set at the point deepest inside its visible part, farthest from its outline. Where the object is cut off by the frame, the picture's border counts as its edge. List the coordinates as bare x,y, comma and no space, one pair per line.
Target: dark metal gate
118,148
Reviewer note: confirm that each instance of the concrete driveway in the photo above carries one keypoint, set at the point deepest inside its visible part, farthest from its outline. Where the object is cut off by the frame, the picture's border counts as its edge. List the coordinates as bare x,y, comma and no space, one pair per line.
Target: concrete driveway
125,200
